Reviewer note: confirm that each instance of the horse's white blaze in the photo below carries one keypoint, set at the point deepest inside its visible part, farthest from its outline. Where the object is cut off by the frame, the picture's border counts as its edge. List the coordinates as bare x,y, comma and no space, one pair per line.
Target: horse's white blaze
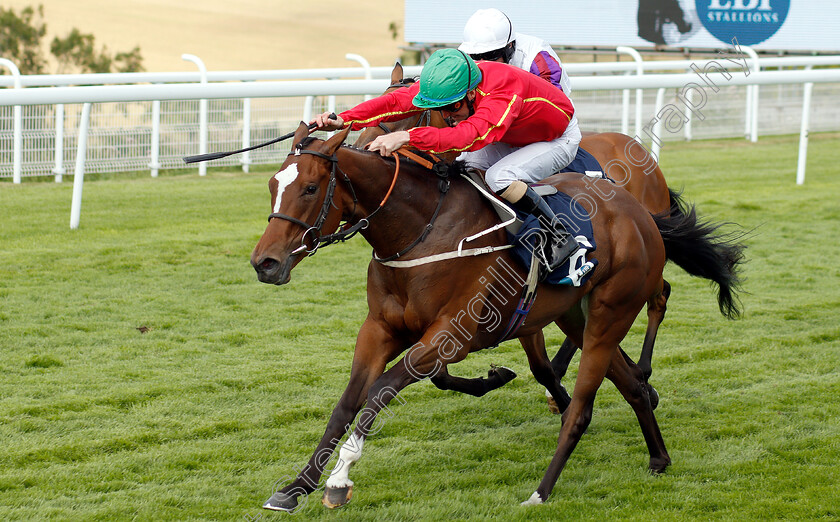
284,178
351,451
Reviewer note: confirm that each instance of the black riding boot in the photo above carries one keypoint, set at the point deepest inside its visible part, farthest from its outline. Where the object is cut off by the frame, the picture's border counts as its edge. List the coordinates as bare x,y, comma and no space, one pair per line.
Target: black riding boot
559,245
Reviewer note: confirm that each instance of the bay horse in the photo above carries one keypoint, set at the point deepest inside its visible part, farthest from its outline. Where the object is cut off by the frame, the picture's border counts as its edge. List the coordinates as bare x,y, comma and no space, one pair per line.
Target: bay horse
626,162
442,311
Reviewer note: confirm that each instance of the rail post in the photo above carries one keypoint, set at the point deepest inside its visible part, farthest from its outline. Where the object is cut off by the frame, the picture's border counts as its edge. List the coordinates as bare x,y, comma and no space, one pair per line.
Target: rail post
79,175
154,153
803,132
639,92
17,132
751,124
58,169
656,140
202,112
364,63
245,160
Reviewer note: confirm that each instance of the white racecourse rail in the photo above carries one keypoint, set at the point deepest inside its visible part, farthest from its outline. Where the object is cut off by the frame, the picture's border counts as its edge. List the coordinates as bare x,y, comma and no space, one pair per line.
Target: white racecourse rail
697,94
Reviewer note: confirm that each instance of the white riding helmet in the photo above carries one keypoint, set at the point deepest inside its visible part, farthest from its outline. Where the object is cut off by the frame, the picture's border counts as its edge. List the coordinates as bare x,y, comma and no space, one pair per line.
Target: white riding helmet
487,30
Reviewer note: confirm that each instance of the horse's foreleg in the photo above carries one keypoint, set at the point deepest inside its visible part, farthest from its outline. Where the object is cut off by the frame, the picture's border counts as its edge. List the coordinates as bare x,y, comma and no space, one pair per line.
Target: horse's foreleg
497,377
629,380
541,368
374,348
424,359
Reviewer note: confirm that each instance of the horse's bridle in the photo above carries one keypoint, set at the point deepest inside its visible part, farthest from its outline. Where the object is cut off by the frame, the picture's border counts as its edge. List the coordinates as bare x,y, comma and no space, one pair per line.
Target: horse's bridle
315,230
347,231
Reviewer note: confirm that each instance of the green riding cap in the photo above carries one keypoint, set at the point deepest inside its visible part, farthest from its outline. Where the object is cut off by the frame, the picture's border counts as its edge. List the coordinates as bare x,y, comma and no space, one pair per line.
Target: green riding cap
446,78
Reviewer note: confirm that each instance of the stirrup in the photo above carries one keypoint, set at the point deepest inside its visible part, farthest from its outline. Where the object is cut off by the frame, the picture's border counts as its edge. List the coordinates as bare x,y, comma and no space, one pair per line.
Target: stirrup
558,251
565,249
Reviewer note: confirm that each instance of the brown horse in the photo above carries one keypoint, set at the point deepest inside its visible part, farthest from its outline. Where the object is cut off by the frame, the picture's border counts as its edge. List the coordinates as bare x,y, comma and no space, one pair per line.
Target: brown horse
625,161
442,311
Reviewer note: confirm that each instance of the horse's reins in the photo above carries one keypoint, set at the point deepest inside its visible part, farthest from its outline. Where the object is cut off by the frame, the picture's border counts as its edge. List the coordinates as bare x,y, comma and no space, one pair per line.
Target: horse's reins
349,231
218,155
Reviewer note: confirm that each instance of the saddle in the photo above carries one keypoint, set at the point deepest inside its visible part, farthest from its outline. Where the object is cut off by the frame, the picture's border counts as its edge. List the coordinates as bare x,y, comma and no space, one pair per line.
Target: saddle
523,230
584,163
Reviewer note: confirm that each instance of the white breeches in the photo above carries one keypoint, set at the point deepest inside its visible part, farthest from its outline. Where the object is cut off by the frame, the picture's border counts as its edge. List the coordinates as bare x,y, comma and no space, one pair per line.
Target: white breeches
532,163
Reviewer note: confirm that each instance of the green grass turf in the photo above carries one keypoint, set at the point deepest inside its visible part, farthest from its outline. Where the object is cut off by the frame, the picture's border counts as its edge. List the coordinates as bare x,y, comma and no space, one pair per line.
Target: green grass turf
230,388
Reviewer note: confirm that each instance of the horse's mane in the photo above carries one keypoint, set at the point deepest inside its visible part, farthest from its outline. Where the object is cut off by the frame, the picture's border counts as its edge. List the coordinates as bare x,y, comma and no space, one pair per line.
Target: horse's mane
405,82
305,142
453,169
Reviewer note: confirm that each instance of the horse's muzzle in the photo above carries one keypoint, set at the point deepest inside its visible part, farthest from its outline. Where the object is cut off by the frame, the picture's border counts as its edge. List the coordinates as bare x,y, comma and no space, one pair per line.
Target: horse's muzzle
272,271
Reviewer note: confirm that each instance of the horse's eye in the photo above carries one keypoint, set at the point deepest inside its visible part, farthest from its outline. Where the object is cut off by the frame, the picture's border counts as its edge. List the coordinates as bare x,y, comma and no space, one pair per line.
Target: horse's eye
311,189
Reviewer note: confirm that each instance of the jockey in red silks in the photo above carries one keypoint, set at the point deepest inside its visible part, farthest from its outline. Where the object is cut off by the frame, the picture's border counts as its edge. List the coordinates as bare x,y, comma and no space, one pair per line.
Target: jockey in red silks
505,120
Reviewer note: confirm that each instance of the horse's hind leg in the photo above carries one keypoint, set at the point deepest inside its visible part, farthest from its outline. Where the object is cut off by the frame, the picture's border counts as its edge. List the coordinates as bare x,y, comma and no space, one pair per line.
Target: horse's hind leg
612,307
594,362
629,380
656,314
497,377
544,373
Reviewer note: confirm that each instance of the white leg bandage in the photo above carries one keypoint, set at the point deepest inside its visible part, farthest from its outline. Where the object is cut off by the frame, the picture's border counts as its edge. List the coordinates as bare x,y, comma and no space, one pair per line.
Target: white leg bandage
351,451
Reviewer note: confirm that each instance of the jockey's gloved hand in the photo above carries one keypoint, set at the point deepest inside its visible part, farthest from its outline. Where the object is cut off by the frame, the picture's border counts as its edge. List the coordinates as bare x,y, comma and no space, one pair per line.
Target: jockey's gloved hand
328,121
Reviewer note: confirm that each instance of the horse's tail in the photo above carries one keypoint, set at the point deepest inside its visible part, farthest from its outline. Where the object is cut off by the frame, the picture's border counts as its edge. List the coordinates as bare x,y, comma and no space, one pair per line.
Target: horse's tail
699,249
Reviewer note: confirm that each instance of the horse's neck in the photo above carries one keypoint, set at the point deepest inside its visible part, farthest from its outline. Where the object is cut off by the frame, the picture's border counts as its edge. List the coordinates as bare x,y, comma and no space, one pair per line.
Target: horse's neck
412,204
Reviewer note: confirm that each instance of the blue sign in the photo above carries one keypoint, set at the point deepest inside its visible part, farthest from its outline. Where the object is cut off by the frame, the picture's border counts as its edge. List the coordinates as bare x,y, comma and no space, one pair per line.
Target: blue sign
750,21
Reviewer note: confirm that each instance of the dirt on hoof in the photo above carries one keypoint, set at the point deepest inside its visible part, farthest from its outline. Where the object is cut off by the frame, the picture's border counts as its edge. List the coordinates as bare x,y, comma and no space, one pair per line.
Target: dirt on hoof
337,497
552,406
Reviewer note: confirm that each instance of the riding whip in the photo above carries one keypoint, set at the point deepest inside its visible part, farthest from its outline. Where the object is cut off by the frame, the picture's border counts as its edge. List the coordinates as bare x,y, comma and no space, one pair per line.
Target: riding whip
218,155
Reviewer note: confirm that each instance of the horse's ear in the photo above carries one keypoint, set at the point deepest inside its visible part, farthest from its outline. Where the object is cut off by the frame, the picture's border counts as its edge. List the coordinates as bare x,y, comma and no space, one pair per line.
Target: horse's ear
301,132
396,74
331,145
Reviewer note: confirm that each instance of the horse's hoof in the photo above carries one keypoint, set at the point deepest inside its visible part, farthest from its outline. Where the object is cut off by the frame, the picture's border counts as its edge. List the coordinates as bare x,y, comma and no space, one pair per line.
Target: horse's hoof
653,395
658,465
500,372
281,502
336,497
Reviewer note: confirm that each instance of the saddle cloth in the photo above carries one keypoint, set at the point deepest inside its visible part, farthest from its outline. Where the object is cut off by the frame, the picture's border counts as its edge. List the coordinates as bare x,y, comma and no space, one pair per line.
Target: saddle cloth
522,233
522,236
576,220
585,163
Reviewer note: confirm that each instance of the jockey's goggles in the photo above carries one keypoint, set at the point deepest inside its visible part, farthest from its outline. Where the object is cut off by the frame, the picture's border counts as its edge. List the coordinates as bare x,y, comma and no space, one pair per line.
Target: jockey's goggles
452,107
